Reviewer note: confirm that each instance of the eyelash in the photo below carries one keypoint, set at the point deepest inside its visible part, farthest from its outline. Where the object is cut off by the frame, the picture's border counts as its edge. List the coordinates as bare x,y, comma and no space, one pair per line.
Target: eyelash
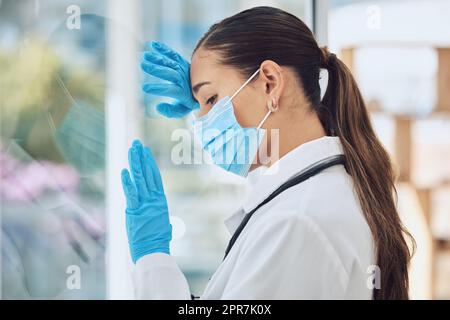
211,100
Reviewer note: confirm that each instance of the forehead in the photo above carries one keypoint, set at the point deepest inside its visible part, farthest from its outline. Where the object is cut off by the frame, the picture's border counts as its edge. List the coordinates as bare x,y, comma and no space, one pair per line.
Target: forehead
206,66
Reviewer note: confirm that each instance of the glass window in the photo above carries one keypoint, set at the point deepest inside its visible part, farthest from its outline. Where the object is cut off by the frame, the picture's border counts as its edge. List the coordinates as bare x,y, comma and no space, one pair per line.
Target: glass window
55,183
52,154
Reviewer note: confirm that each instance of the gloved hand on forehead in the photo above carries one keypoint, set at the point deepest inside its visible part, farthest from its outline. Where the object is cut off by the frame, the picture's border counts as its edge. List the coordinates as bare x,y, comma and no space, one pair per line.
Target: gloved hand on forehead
164,63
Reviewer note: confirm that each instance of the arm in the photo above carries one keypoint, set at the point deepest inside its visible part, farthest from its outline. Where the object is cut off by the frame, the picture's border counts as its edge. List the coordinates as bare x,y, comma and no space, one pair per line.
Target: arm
288,258
156,275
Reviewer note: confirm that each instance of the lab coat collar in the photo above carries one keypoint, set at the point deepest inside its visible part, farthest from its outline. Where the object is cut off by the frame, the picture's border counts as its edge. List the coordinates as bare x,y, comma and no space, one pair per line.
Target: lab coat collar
289,165
263,182
233,221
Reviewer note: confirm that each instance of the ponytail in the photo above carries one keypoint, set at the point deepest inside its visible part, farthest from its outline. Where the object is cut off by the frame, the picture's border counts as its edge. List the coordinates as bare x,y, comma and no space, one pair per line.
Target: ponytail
370,168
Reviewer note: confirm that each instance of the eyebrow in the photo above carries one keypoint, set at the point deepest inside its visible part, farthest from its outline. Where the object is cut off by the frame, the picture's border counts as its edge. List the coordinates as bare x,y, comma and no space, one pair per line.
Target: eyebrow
199,85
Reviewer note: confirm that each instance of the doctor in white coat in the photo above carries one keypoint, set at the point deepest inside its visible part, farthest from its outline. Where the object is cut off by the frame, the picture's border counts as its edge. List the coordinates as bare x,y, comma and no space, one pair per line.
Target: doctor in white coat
321,221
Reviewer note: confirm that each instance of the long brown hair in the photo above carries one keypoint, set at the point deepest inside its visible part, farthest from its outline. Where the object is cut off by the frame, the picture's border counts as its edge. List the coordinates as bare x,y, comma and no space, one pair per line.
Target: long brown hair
248,38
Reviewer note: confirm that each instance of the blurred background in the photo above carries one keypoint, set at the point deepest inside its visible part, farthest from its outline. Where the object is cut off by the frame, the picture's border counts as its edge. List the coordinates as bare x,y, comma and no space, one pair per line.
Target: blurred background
71,104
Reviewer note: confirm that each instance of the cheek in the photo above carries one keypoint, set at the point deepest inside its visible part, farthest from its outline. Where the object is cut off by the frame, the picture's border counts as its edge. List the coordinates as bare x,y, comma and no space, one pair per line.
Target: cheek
204,109
249,110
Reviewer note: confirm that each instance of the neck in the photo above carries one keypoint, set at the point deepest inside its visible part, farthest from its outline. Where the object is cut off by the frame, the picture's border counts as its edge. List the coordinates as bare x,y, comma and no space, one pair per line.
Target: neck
294,129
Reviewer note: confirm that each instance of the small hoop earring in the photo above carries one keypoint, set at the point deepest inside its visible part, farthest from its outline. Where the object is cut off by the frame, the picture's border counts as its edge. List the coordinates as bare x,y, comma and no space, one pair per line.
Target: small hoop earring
270,105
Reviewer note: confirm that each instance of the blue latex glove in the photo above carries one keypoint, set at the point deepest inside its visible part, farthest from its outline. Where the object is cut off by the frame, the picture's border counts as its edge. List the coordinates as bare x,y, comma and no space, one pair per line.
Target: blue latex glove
164,63
147,215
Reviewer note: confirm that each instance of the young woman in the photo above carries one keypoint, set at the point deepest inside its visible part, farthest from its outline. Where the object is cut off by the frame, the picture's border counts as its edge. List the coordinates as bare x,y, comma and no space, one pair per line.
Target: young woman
322,221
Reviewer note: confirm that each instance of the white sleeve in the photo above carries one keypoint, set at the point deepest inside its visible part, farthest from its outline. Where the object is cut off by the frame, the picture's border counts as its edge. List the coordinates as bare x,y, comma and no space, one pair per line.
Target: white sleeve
157,276
288,258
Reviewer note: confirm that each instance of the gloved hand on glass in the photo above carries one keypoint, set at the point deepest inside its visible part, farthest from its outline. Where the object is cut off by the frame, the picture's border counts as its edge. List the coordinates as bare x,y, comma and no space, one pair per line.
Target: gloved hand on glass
147,216
164,63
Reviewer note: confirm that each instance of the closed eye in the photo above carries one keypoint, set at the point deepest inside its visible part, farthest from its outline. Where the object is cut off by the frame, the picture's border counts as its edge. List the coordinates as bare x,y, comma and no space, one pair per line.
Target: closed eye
211,100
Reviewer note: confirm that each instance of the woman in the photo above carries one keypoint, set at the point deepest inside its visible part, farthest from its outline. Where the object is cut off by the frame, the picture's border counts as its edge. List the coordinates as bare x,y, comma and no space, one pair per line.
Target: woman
333,234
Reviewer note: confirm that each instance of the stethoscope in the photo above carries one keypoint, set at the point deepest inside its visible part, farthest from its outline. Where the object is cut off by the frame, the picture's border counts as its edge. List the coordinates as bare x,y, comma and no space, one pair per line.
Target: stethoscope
293,181
300,177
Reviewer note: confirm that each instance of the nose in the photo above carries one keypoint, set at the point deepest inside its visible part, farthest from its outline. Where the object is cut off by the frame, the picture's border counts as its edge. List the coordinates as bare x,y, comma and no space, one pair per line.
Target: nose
203,110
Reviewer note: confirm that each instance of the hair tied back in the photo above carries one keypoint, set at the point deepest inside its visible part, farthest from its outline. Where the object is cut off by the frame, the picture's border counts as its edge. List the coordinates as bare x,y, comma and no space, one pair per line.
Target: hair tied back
327,58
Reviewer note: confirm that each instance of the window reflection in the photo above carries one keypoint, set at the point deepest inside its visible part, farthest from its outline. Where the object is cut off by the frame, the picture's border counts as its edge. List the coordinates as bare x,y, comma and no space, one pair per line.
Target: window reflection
52,153
52,148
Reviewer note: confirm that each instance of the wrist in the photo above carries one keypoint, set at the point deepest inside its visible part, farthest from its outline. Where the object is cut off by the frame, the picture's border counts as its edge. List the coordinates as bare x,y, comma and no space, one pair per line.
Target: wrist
137,253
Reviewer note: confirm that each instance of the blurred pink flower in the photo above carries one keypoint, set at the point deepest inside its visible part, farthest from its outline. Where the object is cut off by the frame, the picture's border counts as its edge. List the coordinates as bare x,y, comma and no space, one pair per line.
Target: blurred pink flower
25,182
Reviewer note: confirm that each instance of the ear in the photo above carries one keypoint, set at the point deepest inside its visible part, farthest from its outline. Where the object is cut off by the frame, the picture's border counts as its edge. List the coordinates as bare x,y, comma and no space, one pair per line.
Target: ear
273,79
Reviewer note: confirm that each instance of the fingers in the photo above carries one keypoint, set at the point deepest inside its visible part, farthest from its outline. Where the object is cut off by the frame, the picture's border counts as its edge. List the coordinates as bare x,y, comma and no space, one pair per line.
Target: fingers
129,189
136,168
168,52
161,71
162,89
159,59
172,110
145,176
151,171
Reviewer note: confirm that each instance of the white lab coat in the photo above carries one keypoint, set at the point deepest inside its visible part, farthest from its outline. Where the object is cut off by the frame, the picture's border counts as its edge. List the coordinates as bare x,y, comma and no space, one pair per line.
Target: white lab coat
310,242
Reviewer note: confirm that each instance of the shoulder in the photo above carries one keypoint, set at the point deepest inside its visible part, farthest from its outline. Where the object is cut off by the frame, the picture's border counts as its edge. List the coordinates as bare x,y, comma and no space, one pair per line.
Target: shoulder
325,198
330,201
330,208
322,214
330,195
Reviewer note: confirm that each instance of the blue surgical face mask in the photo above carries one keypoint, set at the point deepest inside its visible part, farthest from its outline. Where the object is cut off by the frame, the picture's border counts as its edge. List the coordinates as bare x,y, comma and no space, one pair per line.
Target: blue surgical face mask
230,146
